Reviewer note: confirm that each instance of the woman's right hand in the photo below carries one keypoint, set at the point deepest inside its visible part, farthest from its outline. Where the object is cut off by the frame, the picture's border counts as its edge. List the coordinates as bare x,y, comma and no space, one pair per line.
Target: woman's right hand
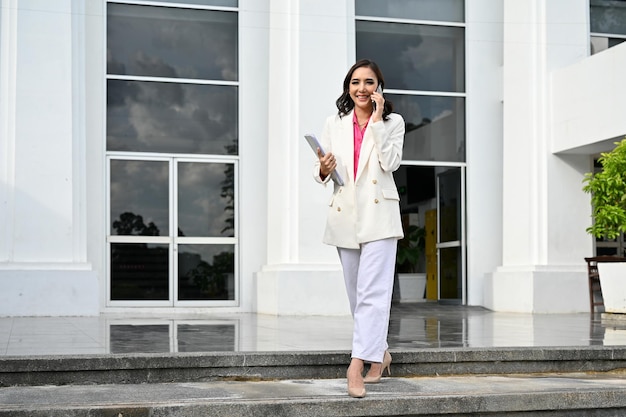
328,163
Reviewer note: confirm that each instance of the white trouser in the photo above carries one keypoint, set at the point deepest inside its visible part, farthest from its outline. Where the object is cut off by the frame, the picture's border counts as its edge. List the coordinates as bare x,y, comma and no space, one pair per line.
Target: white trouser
368,273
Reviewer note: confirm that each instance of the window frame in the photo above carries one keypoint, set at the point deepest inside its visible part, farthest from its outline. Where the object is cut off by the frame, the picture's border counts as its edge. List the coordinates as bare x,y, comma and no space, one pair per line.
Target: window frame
172,240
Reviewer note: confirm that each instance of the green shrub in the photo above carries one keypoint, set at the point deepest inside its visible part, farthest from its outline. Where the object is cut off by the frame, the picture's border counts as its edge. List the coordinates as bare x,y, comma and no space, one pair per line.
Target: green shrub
608,194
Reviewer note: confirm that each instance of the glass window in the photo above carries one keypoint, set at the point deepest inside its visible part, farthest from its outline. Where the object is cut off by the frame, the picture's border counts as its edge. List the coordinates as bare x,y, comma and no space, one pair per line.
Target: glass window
608,16
145,116
139,271
441,10
218,3
139,198
450,273
206,272
172,95
206,199
171,42
435,127
450,210
415,57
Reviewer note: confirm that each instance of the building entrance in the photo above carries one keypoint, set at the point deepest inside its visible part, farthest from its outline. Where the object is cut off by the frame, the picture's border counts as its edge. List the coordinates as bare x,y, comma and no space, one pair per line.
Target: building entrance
432,201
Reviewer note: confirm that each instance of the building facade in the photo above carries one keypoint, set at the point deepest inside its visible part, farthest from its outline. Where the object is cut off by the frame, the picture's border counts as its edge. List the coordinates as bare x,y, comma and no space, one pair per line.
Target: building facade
153,155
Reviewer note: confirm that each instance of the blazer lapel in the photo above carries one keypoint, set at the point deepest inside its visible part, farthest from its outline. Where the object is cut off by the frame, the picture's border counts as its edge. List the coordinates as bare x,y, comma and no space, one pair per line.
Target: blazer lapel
345,145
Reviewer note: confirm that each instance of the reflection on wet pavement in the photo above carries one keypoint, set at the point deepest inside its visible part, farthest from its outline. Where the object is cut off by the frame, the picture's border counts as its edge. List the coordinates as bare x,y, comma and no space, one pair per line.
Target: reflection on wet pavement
412,326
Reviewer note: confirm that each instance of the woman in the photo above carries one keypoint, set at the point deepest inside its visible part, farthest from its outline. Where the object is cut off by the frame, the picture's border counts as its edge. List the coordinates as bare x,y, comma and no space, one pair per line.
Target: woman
363,142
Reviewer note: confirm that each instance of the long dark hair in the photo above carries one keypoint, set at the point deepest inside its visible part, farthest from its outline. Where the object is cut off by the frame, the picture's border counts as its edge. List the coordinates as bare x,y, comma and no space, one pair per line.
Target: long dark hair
345,103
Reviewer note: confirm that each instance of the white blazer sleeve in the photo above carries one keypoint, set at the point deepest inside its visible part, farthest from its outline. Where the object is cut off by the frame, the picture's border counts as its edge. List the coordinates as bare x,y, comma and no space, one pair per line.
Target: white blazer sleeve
389,139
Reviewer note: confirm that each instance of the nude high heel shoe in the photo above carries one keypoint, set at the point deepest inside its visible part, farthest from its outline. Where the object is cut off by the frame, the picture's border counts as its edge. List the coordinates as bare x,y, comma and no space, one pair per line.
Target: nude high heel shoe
355,391
375,379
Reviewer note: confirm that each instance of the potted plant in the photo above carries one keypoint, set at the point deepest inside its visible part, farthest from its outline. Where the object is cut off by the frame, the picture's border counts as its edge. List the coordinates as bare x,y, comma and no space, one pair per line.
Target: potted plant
608,198
410,255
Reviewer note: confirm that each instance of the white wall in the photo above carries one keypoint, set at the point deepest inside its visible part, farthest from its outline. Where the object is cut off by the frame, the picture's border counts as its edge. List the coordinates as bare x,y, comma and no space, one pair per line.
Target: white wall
484,34
309,56
43,256
544,243
94,103
589,104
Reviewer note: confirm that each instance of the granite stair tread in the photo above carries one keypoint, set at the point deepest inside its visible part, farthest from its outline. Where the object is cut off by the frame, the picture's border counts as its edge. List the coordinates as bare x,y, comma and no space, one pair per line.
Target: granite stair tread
567,394
537,381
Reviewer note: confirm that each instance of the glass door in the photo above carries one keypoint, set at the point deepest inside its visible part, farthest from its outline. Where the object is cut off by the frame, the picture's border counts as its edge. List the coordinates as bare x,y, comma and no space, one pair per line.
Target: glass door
172,237
451,235
205,243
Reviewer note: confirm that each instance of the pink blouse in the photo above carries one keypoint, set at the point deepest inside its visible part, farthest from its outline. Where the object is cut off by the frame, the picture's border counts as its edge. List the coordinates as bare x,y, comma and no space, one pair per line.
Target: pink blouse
358,140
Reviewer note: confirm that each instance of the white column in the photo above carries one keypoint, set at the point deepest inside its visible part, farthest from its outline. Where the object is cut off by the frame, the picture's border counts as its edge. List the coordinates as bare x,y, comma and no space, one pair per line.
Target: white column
8,58
308,59
542,257
43,261
484,142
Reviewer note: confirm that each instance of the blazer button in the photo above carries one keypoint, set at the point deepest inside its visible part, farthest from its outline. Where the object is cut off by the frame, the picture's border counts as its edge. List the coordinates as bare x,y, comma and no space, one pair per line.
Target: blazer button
374,182
376,200
338,208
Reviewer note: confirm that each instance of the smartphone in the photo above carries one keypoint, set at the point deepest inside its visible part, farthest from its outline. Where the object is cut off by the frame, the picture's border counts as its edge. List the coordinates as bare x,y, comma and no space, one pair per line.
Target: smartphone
379,90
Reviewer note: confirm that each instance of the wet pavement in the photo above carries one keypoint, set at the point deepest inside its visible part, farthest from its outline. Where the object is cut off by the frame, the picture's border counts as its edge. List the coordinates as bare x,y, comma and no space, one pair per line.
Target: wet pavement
412,327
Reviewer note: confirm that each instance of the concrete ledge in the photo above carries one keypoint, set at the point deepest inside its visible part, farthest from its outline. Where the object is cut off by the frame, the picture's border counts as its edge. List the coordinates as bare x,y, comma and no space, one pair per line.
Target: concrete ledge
193,367
533,289
70,290
307,291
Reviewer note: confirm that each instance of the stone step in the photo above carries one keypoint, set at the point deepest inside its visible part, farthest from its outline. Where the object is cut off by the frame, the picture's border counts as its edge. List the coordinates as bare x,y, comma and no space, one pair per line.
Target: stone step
572,395
197,367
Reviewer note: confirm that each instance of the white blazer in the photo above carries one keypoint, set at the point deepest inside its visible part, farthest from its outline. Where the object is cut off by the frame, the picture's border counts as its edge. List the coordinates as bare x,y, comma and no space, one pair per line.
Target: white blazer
365,208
